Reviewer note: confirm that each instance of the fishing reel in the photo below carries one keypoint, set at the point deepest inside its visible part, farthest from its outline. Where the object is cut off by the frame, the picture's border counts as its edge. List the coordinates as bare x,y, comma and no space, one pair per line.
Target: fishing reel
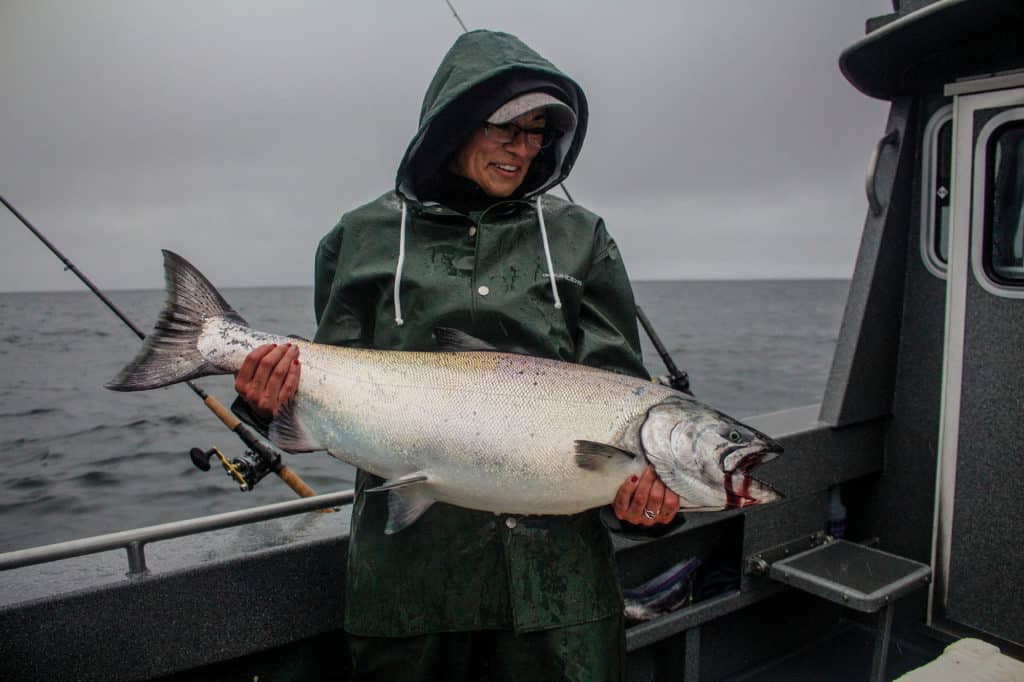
247,470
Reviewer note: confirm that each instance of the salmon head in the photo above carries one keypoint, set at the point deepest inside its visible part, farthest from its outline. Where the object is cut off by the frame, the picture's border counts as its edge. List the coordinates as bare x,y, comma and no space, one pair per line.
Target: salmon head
706,457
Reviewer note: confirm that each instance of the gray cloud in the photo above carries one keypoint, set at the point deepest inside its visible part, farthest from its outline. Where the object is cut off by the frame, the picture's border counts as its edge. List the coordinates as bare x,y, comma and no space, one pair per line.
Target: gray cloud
723,140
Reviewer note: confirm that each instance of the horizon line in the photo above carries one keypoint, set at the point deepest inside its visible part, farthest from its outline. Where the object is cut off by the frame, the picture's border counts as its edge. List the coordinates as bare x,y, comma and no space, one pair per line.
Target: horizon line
654,280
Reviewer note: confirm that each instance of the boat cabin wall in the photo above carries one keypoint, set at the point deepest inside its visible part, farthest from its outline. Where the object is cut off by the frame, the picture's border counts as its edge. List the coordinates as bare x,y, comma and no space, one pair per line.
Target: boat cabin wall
898,506
933,349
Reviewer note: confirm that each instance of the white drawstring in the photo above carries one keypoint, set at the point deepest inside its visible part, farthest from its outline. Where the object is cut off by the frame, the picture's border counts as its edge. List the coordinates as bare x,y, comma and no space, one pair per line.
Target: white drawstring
547,254
398,270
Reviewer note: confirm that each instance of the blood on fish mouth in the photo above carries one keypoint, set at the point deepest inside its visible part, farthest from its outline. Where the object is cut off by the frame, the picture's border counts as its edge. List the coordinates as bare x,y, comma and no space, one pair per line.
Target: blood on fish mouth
739,498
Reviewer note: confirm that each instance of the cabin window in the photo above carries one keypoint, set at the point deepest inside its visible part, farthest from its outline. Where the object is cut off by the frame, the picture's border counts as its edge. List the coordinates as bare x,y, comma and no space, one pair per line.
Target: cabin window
937,190
1004,199
941,190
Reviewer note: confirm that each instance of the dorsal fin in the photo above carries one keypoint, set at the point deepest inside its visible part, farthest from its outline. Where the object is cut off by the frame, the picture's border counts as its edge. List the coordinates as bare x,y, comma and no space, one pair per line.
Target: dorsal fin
449,339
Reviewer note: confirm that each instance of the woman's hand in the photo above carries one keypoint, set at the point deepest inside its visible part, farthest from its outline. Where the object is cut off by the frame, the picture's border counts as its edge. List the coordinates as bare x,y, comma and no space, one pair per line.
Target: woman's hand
645,501
268,378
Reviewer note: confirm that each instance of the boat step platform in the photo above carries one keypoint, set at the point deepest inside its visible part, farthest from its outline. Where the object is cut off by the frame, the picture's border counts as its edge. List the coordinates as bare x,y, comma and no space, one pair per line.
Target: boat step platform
858,577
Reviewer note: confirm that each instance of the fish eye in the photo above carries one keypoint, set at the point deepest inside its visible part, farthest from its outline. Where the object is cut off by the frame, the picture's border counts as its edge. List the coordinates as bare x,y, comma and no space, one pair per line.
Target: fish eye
735,436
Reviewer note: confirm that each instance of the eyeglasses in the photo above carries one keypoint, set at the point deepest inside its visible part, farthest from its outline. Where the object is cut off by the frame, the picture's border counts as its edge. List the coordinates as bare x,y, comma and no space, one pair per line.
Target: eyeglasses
507,133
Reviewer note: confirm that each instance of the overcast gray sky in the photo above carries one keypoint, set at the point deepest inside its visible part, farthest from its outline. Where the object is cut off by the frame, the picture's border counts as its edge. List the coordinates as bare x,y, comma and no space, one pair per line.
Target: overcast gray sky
723,140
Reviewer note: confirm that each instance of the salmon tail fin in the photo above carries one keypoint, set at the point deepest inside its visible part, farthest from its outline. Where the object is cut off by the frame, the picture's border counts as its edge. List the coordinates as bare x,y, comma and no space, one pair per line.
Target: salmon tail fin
170,354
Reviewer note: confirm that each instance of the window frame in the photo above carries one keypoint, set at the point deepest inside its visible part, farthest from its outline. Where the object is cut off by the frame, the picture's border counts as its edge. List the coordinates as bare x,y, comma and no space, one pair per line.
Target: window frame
981,230
929,170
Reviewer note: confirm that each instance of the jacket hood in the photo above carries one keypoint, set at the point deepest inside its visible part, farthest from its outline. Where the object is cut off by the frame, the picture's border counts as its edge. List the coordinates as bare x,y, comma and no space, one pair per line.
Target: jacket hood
483,70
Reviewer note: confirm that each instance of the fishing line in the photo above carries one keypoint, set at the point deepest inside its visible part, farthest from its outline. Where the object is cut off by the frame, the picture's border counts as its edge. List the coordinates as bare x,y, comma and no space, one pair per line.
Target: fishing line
457,17
247,472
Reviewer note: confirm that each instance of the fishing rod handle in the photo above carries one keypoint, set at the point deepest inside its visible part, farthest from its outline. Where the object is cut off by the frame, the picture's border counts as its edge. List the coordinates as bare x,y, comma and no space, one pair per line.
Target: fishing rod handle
292,479
294,482
223,413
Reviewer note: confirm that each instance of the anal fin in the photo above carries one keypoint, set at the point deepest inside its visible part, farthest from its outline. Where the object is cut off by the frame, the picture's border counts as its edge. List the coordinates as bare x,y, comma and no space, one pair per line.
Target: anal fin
407,500
400,482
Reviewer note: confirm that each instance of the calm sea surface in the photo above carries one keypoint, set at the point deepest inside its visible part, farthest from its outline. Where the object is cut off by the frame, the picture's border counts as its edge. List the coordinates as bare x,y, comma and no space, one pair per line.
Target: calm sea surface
79,460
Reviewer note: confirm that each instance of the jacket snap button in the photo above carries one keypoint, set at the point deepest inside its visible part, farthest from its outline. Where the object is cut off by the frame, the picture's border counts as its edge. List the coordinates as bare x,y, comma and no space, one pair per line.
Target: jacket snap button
511,522
483,291
472,230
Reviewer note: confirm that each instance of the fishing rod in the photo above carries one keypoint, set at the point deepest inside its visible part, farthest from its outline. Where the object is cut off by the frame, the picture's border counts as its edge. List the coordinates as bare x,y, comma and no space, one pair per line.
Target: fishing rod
457,17
261,457
677,379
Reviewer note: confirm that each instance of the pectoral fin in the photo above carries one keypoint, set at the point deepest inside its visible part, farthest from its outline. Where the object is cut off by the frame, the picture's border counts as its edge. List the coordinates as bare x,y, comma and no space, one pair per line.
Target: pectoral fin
289,433
594,456
407,500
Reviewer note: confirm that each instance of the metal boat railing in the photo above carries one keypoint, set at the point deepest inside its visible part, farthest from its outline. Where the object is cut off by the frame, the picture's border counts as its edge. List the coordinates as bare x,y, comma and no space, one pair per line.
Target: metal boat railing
134,541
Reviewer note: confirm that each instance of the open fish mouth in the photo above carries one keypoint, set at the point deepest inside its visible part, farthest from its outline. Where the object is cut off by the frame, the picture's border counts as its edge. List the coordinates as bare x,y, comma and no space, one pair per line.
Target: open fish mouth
755,459
749,456
742,489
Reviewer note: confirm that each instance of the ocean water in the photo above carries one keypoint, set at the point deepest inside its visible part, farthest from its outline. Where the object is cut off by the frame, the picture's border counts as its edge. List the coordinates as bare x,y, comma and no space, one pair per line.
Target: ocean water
79,460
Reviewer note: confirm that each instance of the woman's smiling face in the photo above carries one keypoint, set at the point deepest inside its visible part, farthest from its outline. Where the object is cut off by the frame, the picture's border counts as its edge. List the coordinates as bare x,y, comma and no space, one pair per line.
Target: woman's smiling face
499,169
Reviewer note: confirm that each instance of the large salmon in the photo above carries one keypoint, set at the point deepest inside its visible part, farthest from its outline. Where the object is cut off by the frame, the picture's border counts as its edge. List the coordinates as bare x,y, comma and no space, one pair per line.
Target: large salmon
469,425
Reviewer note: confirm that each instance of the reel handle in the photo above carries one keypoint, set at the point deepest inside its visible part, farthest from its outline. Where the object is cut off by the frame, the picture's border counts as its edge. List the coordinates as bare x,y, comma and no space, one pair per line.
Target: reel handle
201,459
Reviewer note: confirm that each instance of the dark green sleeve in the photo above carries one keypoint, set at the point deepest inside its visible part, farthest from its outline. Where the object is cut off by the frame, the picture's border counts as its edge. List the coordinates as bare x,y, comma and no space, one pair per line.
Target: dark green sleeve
325,265
607,336
343,318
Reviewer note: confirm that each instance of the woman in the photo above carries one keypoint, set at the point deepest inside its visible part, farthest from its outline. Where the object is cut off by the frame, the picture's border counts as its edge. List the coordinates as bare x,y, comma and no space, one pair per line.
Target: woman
468,240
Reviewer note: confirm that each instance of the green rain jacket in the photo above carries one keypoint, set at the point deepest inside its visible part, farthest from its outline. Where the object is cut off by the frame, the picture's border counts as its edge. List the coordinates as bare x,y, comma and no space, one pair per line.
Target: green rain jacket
483,272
